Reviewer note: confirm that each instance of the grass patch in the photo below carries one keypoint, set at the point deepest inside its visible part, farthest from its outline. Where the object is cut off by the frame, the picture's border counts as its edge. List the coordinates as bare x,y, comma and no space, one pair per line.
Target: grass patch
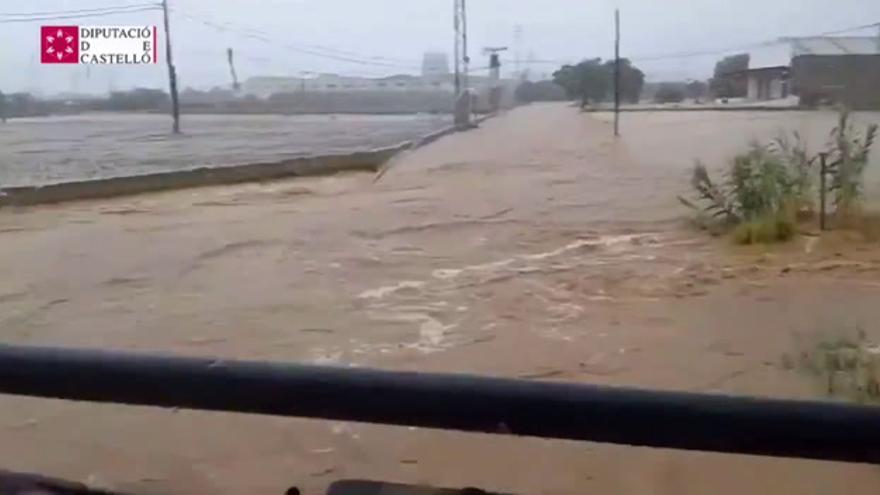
866,223
770,228
846,365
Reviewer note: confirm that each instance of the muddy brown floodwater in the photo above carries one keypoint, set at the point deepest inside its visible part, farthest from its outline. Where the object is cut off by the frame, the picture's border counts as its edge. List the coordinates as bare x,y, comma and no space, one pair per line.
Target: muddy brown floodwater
536,246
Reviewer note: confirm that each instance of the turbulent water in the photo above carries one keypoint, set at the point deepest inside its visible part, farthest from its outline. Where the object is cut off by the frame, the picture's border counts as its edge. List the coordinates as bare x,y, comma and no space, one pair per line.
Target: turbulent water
60,149
538,246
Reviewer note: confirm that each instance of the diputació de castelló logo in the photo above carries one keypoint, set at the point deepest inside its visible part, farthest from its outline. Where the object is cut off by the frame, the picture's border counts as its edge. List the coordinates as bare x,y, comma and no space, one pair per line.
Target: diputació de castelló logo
102,45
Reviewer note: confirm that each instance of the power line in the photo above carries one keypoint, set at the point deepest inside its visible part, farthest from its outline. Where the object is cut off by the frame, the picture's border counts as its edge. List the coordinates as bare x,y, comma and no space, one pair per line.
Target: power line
333,49
702,53
77,16
849,30
252,34
740,48
314,50
650,58
76,11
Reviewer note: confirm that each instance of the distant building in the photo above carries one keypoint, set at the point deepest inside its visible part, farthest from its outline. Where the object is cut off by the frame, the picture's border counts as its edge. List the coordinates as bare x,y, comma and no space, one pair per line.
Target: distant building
435,64
818,69
435,81
768,83
264,87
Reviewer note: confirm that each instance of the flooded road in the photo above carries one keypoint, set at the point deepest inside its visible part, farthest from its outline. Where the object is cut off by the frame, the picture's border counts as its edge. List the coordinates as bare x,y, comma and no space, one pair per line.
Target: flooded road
46,150
536,246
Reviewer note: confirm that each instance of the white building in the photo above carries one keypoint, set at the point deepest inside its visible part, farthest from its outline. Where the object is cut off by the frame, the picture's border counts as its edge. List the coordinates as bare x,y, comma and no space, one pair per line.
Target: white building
772,73
435,77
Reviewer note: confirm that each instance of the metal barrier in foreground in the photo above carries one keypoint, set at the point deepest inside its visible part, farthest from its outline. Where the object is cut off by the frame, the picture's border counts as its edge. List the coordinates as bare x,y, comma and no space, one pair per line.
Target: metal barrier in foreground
816,430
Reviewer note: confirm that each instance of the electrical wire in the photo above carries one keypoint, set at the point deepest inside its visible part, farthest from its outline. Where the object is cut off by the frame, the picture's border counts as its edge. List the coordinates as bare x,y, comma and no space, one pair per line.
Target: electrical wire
77,16
78,11
849,30
703,53
314,50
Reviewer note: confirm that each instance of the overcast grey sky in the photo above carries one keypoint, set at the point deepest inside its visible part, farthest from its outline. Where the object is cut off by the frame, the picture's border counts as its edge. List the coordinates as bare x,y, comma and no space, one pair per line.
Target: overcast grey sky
401,30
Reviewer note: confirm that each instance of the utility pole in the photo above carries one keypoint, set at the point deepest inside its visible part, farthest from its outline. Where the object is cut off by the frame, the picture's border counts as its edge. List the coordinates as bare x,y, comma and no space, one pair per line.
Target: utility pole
230,58
464,44
494,76
517,47
616,72
172,73
878,35
457,26
462,93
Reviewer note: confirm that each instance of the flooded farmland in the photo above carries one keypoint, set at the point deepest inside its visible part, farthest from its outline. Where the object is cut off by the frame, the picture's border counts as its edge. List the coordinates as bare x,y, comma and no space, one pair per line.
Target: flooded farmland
36,151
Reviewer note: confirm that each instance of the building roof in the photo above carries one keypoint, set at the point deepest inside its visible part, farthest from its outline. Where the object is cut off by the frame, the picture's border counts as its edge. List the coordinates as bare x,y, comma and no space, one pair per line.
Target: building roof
837,45
782,69
780,53
770,55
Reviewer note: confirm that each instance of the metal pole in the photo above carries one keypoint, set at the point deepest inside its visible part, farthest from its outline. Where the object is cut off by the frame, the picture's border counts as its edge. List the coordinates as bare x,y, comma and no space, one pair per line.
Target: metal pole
517,40
823,172
172,73
230,58
464,46
457,27
878,35
616,72
782,428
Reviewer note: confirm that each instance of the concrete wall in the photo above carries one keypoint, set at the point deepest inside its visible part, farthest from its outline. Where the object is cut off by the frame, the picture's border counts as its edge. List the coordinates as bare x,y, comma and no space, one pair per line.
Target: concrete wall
853,80
767,84
777,89
205,176
752,93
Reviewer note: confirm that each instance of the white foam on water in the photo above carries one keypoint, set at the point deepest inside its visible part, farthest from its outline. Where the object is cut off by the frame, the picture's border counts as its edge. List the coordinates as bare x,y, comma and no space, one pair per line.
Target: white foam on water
602,241
381,292
432,332
448,273
320,355
451,273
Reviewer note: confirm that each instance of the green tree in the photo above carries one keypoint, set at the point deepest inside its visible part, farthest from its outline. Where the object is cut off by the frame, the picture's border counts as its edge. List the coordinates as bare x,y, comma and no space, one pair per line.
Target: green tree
632,80
729,81
2,107
592,80
566,79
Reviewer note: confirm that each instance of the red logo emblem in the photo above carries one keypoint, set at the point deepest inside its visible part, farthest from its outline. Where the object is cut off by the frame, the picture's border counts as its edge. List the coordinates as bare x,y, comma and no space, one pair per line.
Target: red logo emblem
59,44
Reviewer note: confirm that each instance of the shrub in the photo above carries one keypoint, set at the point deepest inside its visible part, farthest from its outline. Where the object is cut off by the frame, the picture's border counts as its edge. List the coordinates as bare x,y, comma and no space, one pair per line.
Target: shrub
669,93
768,187
760,182
846,365
792,151
847,158
757,188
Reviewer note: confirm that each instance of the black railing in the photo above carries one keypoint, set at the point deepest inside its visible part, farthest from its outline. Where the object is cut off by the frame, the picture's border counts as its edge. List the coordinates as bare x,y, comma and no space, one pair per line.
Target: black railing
817,430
